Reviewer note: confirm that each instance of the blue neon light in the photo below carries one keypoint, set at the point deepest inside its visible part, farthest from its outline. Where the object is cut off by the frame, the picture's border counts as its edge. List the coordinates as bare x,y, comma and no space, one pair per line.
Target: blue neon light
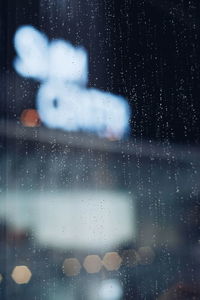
63,99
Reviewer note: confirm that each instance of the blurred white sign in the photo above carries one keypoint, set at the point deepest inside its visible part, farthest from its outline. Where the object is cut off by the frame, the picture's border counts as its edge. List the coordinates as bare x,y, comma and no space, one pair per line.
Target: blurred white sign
81,220
63,100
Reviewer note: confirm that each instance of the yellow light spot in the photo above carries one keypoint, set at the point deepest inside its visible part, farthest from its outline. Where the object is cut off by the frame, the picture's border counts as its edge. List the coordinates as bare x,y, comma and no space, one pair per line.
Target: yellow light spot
71,267
92,264
112,261
21,274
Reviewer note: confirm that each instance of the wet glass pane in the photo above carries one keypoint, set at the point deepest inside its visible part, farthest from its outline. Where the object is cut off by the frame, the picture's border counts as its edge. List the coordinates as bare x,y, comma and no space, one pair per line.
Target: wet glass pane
99,150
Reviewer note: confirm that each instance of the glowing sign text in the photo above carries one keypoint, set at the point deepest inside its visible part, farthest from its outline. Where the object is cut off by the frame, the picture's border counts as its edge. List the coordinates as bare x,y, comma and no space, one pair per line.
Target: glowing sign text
63,99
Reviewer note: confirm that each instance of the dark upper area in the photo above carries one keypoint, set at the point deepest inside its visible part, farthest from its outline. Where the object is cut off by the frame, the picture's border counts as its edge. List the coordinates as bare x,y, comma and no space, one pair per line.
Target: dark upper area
148,51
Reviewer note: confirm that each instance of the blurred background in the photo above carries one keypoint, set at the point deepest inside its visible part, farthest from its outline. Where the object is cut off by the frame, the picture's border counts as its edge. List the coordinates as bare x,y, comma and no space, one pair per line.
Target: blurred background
84,217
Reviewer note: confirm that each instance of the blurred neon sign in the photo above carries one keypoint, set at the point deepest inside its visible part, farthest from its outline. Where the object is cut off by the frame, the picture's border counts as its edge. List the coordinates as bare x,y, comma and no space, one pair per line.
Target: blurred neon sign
63,99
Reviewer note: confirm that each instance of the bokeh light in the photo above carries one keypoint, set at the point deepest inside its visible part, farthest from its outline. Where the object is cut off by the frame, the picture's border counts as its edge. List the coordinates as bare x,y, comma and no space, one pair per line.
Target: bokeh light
146,255
130,258
30,118
71,267
55,63
92,264
110,289
112,261
21,274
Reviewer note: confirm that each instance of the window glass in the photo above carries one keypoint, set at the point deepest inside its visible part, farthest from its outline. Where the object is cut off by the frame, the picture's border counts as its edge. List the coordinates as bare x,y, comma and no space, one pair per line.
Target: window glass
99,150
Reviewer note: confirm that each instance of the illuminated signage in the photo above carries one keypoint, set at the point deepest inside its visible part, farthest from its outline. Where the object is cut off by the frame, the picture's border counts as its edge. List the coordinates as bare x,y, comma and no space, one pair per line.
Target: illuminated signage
63,99
81,219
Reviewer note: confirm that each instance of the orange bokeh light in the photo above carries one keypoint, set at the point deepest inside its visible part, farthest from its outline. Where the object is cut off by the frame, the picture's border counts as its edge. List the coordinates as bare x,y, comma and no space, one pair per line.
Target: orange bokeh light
30,118
21,274
112,261
71,267
92,264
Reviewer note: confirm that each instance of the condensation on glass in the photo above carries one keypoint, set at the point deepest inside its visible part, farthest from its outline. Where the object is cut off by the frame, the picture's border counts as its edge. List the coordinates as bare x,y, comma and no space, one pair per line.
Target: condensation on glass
102,201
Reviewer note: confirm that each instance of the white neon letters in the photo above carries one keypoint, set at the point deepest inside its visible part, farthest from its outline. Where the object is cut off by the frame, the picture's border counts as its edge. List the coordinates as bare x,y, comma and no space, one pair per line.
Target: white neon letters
63,99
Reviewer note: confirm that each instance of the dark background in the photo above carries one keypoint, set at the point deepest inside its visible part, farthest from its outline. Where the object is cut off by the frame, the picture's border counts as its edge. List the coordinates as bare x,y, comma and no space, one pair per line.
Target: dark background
147,51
